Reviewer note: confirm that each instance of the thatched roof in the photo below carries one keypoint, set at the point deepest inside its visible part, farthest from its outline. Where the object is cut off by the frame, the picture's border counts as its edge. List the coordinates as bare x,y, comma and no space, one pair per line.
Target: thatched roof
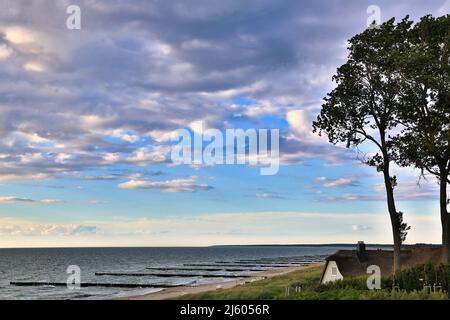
351,264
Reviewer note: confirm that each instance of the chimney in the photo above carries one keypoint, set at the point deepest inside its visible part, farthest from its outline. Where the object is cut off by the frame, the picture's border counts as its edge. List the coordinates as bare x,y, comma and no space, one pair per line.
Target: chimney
361,247
361,252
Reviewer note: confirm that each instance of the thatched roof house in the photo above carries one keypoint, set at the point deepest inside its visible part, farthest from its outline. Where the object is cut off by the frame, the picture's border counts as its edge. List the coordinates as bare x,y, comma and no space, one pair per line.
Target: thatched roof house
348,263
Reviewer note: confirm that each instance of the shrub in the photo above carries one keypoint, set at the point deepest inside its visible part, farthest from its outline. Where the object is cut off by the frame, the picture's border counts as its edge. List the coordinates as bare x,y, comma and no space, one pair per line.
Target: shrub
414,279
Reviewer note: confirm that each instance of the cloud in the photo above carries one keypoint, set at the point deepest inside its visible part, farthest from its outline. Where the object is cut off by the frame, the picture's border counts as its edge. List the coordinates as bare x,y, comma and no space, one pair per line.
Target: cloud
357,227
101,177
301,143
176,185
34,67
337,183
50,201
351,197
300,124
341,182
17,176
406,190
12,200
97,202
213,229
81,230
13,227
118,81
7,200
5,51
412,190
19,35
268,196
124,135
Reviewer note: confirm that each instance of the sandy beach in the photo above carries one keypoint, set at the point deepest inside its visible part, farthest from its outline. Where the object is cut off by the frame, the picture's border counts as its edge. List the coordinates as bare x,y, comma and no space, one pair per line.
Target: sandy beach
172,293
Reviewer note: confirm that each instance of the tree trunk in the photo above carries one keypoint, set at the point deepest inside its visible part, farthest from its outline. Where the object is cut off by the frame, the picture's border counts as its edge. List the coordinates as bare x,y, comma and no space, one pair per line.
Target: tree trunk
444,217
395,222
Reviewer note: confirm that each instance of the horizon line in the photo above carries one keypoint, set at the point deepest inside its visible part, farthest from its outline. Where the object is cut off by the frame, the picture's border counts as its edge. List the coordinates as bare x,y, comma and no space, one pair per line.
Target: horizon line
222,245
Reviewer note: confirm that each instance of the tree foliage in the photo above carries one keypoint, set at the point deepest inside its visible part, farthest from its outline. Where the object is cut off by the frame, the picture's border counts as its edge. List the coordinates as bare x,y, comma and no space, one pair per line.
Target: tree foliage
364,105
425,108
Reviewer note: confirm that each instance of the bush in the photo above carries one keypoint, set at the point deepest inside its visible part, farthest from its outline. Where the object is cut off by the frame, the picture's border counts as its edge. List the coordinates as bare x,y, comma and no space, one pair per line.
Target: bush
414,279
358,283
411,282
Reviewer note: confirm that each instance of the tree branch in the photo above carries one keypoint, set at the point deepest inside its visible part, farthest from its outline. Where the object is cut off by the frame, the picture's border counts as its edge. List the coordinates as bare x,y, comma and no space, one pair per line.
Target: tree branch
369,137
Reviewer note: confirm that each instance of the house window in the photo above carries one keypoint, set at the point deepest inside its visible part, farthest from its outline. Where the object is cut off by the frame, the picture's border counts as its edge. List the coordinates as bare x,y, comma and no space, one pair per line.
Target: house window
334,271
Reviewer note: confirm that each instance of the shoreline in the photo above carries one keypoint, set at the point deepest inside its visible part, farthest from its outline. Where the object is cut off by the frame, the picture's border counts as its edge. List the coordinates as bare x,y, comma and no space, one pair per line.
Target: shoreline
176,292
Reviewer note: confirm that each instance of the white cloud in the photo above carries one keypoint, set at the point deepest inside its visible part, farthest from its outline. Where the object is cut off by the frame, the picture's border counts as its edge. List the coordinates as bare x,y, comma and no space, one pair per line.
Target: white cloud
177,185
16,137
341,182
12,200
300,123
100,177
245,90
6,177
322,75
149,155
215,229
11,227
357,227
412,190
19,35
144,73
263,107
337,183
268,196
9,199
111,158
163,136
31,157
5,51
62,157
34,67
408,190
50,201
125,135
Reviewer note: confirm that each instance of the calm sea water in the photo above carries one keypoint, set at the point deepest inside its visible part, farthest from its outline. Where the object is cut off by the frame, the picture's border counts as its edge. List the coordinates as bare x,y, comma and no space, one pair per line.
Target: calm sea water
50,265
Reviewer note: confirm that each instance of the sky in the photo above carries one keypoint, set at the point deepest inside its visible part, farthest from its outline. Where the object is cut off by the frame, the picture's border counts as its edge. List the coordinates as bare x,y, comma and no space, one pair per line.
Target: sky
87,116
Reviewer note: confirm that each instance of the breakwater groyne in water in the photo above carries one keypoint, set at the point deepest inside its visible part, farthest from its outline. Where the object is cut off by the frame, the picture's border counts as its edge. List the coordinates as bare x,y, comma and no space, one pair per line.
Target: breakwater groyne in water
165,275
242,265
279,262
192,272
86,285
206,269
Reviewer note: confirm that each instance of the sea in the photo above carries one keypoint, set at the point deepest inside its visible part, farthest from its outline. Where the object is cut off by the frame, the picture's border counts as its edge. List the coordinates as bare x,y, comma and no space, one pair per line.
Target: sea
150,266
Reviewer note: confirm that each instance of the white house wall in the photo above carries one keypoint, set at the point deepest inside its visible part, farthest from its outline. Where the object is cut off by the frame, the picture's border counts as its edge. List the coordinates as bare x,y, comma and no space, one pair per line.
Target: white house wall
328,275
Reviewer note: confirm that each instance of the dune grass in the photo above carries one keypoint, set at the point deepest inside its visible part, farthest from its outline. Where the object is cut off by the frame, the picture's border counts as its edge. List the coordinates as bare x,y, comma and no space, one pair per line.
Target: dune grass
309,278
272,288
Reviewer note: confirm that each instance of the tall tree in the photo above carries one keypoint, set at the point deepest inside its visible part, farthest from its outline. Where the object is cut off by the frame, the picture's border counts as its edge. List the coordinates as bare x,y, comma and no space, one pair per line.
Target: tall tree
363,107
425,108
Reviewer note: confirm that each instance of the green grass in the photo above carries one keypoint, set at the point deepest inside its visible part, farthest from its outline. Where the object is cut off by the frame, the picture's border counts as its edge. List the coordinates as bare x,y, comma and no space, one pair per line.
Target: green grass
266,289
356,294
309,278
